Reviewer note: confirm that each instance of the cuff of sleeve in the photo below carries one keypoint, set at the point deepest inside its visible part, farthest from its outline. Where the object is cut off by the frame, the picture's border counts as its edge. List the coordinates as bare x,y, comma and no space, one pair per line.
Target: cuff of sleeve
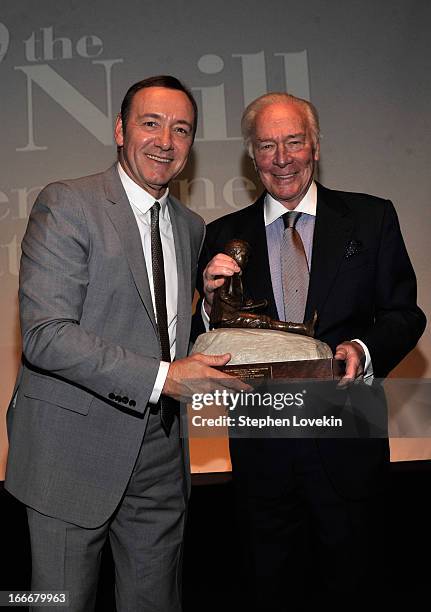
368,367
159,382
205,317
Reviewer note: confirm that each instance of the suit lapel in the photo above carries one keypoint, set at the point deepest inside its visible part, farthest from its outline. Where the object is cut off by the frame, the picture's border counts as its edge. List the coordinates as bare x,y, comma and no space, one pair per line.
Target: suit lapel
180,230
121,214
332,230
257,276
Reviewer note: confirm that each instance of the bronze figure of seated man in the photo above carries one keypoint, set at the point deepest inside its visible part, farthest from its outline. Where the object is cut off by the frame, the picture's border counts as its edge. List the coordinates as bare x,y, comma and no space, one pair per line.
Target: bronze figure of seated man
231,308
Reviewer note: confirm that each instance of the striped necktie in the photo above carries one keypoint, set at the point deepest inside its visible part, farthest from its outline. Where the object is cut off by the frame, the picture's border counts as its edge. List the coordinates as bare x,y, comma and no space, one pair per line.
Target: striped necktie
294,270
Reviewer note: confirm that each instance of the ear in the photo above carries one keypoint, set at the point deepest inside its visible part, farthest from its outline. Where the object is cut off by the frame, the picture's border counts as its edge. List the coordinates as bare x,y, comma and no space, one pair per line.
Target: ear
118,132
316,154
252,157
250,152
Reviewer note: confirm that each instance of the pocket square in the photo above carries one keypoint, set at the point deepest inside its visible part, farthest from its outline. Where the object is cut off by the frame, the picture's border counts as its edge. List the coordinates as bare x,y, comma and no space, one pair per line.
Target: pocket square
353,247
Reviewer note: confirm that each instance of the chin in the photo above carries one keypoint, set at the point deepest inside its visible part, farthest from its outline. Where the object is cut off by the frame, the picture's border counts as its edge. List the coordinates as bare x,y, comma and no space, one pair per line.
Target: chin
287,197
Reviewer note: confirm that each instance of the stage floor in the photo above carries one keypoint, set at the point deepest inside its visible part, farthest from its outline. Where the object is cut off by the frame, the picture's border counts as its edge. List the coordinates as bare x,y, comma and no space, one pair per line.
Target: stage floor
211,558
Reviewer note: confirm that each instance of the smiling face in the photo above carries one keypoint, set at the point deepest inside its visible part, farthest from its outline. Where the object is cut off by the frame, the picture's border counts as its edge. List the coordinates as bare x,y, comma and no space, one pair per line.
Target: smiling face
284,152
156,140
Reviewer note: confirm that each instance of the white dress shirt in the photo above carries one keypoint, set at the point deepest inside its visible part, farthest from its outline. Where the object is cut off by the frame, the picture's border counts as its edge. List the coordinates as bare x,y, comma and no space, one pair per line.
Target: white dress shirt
273,212
141,203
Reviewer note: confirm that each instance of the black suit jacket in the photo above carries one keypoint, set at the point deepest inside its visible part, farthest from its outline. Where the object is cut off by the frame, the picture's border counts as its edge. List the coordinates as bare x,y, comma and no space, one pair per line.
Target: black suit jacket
362,285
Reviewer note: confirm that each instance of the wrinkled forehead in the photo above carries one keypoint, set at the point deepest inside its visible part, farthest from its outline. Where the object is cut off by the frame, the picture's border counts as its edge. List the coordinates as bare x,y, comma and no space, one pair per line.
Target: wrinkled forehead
162,100
281,117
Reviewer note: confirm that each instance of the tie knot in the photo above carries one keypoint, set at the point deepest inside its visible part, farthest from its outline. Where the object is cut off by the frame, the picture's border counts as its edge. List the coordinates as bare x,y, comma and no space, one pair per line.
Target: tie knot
155,215
290,219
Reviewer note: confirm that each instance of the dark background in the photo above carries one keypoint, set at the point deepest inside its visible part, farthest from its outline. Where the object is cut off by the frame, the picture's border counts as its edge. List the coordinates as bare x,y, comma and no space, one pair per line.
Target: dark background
213,579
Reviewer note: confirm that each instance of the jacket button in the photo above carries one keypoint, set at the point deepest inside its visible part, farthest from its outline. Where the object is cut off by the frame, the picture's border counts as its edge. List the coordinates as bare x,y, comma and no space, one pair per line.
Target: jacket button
125,400
111,396
118,398
132,403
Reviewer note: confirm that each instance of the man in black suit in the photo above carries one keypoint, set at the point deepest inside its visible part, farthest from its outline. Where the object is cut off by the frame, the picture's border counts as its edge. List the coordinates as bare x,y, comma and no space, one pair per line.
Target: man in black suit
305,502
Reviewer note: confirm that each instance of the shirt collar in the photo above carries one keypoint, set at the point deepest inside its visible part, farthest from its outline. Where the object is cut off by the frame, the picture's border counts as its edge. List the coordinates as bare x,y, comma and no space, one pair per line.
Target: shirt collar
273,209
137,196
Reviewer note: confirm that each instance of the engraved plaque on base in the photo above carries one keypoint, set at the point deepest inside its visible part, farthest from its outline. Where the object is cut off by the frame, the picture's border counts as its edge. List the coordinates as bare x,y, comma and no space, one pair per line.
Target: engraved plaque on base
263,353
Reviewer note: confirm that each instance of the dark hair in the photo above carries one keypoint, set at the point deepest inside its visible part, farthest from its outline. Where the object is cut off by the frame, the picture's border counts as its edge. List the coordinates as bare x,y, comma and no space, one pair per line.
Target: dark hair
162,80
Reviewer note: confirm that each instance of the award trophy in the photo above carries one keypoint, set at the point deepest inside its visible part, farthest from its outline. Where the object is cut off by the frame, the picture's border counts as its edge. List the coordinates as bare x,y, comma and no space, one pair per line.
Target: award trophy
262,347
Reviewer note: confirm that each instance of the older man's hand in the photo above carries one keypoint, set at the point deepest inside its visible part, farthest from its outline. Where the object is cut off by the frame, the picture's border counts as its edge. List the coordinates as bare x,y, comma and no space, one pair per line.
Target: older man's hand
354,356
217,270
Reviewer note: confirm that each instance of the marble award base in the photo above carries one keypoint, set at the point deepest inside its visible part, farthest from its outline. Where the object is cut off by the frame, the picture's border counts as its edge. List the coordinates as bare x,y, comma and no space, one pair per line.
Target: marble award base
264,353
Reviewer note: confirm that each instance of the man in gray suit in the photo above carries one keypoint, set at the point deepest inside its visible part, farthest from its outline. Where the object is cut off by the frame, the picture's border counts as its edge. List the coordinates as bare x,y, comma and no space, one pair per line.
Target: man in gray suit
95,449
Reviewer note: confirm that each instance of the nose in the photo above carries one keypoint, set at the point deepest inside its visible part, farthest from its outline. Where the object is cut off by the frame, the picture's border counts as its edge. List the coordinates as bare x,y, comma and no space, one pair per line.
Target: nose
282,157
164,139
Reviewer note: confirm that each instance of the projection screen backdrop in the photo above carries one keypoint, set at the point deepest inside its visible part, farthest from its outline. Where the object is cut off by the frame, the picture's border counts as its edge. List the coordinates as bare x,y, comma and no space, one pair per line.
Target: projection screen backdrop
64,67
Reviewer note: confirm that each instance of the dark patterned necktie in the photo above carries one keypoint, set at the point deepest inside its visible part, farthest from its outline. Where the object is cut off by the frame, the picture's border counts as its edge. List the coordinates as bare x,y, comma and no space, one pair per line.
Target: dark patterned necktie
294,270
167,405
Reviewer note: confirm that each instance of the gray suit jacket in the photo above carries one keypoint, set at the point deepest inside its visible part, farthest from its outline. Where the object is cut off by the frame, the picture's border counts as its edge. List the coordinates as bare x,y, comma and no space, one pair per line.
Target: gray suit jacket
90,346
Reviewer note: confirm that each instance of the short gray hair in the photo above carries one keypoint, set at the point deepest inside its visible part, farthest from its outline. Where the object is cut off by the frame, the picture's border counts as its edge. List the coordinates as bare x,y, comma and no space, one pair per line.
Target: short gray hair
248,120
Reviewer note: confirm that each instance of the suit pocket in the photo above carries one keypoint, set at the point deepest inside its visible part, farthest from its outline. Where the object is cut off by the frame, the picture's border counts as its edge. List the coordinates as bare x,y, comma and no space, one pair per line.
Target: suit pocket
53,391
348,265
